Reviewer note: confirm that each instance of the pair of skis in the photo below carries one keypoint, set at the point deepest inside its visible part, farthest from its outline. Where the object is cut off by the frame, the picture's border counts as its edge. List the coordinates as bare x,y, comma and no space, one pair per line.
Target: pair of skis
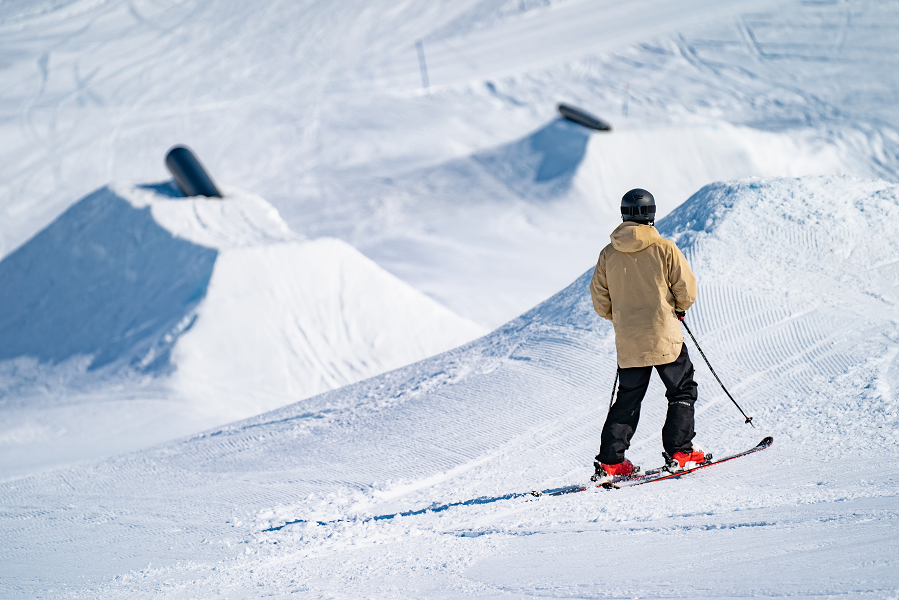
650,476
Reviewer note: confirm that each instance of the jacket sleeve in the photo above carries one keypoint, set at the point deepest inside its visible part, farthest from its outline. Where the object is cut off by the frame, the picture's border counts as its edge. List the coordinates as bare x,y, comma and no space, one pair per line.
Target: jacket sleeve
681,280
599,289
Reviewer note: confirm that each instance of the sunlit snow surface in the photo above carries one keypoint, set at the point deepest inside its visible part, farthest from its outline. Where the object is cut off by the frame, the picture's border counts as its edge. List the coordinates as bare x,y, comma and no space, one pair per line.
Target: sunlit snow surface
140,316
798,296
318,108
474,193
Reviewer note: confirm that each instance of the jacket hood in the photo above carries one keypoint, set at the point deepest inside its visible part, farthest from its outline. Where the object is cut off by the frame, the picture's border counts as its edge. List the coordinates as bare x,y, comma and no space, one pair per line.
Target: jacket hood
633,237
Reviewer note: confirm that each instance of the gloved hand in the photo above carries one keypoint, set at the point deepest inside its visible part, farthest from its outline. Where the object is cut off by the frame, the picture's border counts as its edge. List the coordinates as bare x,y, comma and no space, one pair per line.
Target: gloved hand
680,315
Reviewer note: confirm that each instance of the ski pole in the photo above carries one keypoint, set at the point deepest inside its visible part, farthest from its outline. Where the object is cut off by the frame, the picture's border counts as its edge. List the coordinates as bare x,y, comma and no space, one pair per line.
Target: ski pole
748,419
614,385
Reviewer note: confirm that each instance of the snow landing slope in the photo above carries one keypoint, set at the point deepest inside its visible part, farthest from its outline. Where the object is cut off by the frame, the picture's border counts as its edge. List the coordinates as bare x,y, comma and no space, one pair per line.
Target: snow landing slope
230,312
798,297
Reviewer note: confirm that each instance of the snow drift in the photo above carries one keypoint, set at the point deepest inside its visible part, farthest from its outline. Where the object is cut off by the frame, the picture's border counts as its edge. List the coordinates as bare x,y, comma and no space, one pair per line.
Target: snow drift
798,292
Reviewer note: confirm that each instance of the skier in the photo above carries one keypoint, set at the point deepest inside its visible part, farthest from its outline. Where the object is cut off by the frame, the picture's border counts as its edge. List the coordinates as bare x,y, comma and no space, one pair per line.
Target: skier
643,285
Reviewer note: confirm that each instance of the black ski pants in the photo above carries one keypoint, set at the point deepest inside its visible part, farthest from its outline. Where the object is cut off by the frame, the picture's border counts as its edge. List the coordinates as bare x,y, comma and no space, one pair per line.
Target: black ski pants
677,433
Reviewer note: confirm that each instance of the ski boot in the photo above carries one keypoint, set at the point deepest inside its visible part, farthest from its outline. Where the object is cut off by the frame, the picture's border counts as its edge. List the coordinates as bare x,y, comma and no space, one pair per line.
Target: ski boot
681,461
607,472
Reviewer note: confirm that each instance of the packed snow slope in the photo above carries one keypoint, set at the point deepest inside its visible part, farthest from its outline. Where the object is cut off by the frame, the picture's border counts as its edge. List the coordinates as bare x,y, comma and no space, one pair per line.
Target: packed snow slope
318,107
530,209
210,307
797,310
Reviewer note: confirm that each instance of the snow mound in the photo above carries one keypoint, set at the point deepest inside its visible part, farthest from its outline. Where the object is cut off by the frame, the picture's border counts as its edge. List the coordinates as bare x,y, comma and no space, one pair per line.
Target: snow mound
798,297
217,301
675,160
120,276
105,281
525,214
287,321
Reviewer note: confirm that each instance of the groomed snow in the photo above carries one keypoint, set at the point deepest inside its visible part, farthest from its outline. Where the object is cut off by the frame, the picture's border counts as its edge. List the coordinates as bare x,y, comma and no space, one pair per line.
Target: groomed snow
288,318
525,216
139,317
472,192
317,107
798,296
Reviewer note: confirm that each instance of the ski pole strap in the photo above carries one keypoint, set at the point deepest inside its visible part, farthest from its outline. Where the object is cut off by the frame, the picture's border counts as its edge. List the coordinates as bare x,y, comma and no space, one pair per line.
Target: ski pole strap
748,419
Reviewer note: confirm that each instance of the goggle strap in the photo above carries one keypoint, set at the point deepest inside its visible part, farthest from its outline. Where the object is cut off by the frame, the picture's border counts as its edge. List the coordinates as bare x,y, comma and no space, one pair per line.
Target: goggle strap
638,210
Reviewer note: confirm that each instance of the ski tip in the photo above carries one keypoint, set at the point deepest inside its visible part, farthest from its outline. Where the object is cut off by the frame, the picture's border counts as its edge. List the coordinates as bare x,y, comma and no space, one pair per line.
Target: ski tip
766,442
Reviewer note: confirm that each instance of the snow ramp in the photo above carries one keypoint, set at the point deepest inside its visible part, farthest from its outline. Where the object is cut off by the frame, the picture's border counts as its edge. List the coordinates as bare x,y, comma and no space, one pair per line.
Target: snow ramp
104,281
524,216
798,295
126,273
285,317
203,310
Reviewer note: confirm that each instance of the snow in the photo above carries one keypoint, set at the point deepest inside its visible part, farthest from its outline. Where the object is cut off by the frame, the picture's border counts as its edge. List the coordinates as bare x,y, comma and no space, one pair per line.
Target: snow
314,108
530,210
208,310
438,214
485,46
286,318
801,325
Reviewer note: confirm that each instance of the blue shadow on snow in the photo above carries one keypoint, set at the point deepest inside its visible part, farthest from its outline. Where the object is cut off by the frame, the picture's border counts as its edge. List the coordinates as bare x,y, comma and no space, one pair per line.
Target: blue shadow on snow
105,280
441,507
541,165
165,188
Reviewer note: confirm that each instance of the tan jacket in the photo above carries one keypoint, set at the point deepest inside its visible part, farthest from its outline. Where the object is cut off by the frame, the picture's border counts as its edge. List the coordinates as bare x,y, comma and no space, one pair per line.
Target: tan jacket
641,279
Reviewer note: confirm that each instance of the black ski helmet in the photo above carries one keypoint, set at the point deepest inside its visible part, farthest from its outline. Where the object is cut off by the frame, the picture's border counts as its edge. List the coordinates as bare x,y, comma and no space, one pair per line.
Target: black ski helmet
639,206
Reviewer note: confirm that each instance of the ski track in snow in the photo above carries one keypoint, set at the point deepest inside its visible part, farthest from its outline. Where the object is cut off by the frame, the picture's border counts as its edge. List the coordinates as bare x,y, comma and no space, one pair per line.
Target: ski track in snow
803,329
